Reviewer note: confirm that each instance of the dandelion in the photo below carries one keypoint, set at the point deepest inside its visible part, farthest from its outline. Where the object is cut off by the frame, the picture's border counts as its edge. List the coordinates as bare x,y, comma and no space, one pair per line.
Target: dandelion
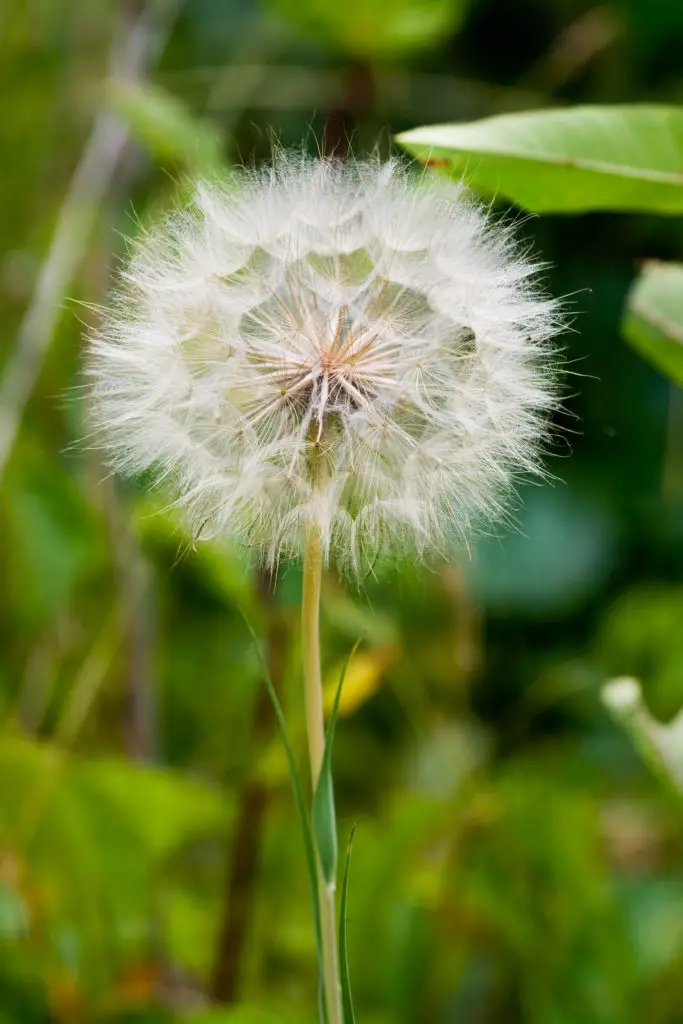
334,361
329,347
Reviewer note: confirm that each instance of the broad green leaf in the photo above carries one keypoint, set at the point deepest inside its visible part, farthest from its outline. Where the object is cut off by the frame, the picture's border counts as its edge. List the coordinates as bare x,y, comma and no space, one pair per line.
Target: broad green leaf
323,813
166,127
566,161
347,1001
653,323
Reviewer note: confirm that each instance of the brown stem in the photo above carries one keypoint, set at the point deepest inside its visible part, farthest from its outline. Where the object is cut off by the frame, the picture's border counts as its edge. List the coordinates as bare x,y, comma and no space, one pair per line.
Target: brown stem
137,612
358,99
242,853
240,877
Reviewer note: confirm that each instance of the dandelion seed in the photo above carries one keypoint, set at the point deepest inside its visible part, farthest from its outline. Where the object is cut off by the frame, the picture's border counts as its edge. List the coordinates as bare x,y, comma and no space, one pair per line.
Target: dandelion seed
329,346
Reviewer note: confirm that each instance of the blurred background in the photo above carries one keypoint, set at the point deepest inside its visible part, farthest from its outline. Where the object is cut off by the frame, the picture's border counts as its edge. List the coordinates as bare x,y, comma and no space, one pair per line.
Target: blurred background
514,861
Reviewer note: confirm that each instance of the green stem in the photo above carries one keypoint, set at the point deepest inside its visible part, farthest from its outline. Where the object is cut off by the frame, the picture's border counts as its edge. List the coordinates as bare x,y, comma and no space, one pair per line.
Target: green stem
315,723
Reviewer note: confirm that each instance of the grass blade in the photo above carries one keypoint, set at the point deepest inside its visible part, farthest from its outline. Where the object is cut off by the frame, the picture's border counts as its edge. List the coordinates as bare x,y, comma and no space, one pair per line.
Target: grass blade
300,806
323,815
347,1001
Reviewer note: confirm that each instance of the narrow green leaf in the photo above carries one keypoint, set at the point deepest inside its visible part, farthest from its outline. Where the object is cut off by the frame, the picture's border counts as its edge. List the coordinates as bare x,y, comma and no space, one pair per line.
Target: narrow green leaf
653,323
309,847
347,1001
323,814
165,127
566,161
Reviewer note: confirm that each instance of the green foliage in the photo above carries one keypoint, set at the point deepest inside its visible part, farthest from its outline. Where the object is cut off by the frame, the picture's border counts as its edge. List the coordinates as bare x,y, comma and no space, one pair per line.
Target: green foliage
372,29
564,548
531,835
83,842
659,745
515,861
653,322
566,161
243,1015
641,636
166,128
52,536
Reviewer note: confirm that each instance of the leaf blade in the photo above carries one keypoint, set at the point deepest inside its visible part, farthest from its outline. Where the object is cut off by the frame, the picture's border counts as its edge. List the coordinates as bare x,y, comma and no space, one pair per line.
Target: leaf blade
347,1000
566,161
306,832
653,323
165,127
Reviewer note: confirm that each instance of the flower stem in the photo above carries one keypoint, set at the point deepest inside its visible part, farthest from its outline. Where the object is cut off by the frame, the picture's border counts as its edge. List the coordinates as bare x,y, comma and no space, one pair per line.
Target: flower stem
315,723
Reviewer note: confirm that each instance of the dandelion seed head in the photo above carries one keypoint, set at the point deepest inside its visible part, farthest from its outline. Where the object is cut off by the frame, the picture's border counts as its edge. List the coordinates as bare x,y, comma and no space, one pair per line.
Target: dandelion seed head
328,346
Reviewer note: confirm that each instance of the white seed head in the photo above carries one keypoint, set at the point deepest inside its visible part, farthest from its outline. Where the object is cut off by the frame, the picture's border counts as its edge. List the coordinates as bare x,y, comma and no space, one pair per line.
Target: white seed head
328,346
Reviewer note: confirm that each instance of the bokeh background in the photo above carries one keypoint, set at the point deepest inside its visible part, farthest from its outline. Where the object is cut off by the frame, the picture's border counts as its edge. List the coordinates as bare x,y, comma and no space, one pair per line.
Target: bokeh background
514,861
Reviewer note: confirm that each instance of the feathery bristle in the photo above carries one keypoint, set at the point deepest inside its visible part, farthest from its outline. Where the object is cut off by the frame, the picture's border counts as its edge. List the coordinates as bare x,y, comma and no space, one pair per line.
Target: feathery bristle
329,345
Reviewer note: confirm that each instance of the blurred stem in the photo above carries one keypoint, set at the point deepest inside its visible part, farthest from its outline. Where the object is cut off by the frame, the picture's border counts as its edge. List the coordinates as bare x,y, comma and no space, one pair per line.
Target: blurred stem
78,703
242,854
358,100
672,470
144,38
315,723
138,628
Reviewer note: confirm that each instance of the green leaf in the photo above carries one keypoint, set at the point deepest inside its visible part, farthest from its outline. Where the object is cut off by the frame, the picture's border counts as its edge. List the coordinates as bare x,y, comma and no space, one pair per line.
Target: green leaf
323,815
242,1014
306,833
371,29
641,634
51,544
161,806
347,1001
91,837
165,127
566,161
653,323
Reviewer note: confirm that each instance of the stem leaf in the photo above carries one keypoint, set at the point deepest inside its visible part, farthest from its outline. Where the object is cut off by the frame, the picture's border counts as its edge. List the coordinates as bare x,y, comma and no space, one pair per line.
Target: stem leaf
323,814
306,833
347,1001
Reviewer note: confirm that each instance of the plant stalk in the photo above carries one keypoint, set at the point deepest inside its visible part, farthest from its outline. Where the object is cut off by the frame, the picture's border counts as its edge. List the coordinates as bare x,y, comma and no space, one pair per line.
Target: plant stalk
315,724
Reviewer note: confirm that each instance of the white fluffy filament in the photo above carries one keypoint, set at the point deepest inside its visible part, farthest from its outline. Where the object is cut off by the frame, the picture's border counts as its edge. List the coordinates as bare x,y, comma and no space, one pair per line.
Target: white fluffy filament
328,345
